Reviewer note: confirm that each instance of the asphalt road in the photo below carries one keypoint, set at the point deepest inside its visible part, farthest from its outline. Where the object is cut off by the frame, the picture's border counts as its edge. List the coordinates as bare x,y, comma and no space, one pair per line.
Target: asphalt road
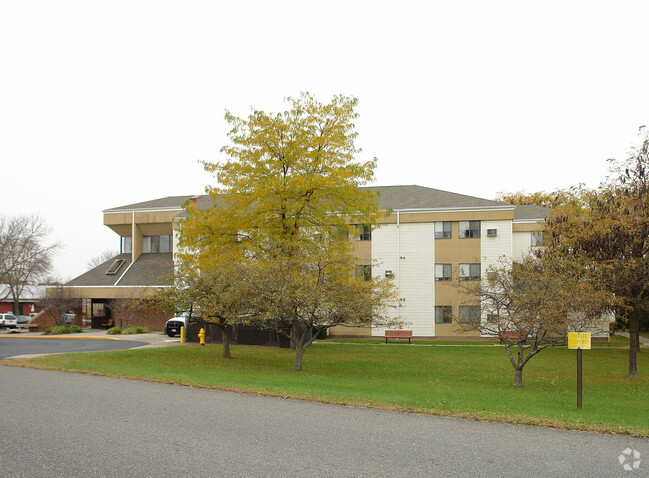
70,425
17,346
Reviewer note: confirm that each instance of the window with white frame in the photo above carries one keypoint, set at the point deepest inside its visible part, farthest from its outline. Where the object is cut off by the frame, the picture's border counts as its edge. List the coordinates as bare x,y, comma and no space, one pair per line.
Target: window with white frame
469,229
443,272
443,230
470,271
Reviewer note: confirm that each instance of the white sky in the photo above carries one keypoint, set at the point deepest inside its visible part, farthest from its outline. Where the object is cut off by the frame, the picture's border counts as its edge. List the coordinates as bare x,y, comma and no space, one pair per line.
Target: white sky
103,104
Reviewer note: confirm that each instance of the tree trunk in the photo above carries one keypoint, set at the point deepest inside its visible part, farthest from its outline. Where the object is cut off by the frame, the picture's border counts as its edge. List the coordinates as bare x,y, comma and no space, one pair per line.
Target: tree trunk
518,377
298,339
226,344
299,352
634,340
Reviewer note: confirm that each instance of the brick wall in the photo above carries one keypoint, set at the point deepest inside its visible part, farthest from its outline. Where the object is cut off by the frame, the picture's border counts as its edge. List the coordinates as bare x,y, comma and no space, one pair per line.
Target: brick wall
151,319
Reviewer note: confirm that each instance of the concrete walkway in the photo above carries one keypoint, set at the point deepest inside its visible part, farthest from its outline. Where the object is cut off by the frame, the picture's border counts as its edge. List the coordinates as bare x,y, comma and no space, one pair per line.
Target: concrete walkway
644,342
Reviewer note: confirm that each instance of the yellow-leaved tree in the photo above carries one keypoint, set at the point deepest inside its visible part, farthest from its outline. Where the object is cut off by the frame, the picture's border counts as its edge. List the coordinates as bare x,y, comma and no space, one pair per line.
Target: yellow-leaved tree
287,201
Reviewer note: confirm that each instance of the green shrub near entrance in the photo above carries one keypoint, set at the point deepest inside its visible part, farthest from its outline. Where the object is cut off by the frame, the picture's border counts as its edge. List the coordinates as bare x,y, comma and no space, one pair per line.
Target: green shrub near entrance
61,329
136,329
133,329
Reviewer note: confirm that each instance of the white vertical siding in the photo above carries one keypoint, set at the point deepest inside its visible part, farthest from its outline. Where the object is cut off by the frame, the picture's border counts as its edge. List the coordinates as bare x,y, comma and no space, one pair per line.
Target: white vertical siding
385,257
522,244
408,251
492,249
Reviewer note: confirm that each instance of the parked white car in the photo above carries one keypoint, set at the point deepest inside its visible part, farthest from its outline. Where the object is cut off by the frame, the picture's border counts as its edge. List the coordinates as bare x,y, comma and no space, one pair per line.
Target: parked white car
8,321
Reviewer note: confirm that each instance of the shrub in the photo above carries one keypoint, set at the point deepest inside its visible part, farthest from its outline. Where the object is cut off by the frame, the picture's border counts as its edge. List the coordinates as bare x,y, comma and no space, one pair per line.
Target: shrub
136,329
115,331
61,329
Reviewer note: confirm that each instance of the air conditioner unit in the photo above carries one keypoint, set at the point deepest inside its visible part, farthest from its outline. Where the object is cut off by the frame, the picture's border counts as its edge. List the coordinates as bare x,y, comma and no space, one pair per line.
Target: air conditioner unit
492,232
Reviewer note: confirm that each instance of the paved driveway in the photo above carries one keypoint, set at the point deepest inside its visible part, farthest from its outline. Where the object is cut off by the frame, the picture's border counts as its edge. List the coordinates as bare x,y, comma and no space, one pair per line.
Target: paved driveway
34,344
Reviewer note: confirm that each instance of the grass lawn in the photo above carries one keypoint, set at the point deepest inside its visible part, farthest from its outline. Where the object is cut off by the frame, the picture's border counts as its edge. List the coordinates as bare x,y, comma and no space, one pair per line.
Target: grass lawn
460,381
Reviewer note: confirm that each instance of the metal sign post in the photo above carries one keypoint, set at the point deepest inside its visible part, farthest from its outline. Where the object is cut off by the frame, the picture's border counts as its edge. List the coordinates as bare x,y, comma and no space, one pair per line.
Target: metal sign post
579,341
579,375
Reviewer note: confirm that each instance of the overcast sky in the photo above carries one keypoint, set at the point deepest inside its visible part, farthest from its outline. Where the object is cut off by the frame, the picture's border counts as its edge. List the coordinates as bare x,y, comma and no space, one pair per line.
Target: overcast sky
104,104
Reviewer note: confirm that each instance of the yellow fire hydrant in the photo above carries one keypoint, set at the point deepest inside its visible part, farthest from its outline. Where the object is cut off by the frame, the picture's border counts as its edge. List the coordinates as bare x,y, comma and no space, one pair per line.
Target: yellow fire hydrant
201,336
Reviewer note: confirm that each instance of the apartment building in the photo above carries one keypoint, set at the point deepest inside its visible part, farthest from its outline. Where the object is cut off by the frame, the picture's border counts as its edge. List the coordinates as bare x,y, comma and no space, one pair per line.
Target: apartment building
429,237
432,237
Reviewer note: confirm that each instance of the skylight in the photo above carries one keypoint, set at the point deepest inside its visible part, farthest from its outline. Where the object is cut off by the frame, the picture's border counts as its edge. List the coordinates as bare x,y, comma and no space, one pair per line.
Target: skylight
114,267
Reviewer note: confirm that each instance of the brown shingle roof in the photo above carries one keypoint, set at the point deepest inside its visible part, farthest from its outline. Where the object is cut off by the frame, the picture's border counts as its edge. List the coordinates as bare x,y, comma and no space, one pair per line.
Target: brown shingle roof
170,202
420,197
152,269
389,197
528,212
148,270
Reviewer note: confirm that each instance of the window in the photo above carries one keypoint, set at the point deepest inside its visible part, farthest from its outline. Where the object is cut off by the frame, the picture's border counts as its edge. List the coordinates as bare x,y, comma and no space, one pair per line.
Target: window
443,314
470,271
363,233
165,243
364,272
443,272
114,267
126,245
469,313
469,229
492,319
98,309
538,238
443,230
157,243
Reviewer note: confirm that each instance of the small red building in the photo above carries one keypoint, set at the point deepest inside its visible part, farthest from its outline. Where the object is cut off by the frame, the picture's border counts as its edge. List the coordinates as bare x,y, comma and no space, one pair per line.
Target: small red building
28,303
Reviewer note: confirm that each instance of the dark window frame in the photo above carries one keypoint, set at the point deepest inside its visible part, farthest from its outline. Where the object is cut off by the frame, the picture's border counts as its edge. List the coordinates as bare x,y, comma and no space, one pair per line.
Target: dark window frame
363,233
447,272
470,314
443,314
364,271
446,232
469,229
475,271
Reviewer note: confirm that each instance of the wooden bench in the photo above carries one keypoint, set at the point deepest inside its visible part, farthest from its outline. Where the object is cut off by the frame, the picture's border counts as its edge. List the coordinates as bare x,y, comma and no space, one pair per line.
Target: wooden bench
398,334
512,335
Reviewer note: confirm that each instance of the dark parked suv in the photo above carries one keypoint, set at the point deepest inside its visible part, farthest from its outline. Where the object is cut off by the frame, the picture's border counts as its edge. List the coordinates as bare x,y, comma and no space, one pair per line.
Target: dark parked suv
173,325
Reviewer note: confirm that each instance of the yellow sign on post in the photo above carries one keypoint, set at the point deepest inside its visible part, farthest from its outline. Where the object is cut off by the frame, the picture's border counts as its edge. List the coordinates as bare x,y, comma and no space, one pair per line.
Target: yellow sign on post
579,340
